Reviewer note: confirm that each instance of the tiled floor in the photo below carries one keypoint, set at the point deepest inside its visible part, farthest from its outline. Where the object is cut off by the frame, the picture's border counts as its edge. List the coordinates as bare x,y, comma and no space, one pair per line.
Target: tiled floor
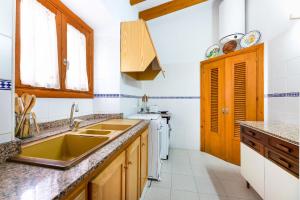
192,175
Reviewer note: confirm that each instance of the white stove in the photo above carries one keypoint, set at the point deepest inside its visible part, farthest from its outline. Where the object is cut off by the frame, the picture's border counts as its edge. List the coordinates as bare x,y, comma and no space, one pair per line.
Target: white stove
154,147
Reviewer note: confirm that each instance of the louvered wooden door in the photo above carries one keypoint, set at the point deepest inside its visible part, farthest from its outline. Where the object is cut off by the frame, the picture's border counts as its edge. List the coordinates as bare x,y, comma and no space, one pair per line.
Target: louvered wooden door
240,99
213,74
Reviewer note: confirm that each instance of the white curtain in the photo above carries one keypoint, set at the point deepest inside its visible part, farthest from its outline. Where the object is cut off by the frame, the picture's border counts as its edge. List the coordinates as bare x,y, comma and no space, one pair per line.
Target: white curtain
39,54
76,78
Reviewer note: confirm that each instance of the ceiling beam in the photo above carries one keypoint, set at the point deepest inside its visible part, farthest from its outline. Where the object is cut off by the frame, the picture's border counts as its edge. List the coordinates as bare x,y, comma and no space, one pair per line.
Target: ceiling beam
167,8
133,2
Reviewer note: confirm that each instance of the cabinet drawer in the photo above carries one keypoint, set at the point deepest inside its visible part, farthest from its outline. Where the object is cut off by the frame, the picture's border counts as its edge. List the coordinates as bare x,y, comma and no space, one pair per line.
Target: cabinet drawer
286,163
284,147
252,133
253,144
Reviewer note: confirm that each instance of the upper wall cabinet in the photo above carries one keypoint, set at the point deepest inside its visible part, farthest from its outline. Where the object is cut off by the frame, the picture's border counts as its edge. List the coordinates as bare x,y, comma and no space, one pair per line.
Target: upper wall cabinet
138,55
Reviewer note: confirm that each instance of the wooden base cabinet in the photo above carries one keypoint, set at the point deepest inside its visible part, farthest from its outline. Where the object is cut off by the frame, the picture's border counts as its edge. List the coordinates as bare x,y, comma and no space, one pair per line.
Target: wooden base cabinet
125,177
279,184
144,160
133,153
270,165
252,169
110,184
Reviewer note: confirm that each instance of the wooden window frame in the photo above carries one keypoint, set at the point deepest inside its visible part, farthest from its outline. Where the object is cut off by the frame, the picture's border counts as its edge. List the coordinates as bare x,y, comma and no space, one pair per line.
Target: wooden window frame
64,16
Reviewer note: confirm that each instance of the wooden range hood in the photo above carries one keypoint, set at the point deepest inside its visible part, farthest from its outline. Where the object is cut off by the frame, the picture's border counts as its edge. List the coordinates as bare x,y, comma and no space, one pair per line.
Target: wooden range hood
138,55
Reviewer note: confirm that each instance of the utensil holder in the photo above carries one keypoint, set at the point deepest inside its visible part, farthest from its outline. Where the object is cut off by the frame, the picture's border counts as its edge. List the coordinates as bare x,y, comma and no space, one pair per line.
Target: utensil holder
28,129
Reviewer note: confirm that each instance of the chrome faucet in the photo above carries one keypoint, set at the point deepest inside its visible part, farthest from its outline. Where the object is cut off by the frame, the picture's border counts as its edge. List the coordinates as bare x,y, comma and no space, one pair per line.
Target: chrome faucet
74,123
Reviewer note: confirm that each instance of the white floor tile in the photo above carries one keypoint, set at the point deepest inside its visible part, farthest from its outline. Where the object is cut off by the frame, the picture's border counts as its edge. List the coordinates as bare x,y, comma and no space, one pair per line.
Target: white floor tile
209,186
238,189
166,166
156,193
194,175
182,168
165,182
183,195
203,171
214,197
183,182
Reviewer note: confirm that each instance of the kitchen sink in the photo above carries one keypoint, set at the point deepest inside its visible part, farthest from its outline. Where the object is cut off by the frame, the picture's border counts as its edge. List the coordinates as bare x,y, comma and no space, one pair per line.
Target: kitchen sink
95,132
115,127
60,152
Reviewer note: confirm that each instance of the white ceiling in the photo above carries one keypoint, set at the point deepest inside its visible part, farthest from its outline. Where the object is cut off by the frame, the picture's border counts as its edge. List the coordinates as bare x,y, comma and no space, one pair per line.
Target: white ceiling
149,4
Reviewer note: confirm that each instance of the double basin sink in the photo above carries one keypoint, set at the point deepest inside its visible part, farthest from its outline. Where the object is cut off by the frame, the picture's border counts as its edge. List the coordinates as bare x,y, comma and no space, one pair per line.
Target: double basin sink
66,150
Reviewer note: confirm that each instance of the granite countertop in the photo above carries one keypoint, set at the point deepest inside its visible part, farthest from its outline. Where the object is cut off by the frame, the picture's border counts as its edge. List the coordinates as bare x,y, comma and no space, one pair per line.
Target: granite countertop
24,182
286,132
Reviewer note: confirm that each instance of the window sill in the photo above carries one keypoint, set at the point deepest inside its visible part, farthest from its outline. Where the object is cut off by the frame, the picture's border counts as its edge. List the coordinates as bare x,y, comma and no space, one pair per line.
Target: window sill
53,93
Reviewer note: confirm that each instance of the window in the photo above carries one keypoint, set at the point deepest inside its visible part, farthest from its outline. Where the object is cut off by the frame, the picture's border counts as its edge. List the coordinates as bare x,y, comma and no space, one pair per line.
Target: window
38,46
76,78
54,51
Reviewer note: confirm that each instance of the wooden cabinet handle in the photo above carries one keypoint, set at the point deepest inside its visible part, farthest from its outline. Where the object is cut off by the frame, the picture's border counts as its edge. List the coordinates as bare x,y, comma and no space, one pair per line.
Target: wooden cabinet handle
284,163
129,163
252,143
252,133
283,148
143,144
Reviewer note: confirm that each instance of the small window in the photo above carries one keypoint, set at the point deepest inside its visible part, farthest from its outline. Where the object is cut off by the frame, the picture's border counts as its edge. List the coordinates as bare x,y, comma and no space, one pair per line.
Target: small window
39,52
54,51
76,78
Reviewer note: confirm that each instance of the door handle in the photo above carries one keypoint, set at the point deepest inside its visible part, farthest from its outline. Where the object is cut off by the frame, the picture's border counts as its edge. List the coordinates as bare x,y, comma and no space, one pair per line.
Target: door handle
225,111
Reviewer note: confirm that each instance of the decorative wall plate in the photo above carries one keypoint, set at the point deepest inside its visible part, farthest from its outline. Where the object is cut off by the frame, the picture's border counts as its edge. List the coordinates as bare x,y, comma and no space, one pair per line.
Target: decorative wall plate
235,36
212,51
250,39
230,46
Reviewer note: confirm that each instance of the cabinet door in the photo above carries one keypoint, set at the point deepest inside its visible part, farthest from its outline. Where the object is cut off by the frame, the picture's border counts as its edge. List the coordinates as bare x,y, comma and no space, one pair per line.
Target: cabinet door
144,160
81,196
253,169
280,184
212,103
110,184
240,100
133,170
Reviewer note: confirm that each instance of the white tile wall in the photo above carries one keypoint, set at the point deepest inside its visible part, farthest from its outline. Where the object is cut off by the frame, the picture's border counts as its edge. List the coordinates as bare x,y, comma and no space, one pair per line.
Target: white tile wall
106,105
5,137
284,75
48,109
129,106
6,112
185,121
6,20
6,68
282,55
285,109
6,57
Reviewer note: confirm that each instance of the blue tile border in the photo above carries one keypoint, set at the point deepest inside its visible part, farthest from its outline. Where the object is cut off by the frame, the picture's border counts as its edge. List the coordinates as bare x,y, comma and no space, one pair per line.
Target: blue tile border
130,96
107,95
5,84
274,95
174,97
287,94
138,97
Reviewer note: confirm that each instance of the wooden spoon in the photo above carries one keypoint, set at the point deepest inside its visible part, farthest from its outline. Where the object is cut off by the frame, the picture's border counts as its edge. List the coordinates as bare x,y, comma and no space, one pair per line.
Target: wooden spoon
35,123
28,101
32,103
23,96
17,105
